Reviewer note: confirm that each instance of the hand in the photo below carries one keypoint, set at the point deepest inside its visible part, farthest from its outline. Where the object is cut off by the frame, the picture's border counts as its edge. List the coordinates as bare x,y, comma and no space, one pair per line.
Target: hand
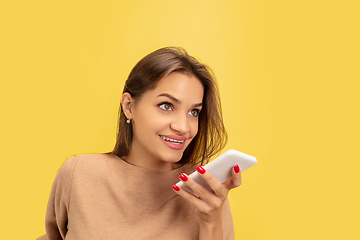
209,203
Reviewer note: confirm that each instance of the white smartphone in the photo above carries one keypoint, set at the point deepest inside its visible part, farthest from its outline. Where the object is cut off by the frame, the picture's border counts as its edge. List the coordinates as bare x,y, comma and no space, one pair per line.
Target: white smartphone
221,167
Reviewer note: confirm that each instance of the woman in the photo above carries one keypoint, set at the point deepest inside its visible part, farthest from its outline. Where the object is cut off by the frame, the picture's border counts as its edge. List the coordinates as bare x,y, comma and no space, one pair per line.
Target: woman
170,121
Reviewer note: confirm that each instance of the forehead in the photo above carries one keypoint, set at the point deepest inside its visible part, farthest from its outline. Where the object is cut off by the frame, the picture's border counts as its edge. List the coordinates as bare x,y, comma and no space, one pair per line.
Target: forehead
185,87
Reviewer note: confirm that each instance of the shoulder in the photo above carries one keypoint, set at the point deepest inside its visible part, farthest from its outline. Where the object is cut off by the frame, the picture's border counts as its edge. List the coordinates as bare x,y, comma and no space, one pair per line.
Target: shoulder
98,160
83,169
85,162
66,171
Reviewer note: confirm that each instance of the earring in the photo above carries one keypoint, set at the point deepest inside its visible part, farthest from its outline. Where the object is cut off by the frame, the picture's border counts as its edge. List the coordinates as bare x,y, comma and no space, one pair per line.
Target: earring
128,121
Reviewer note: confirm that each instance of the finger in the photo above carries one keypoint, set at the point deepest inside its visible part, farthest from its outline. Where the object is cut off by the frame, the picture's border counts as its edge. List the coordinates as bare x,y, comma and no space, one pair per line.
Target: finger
196,201
206,195
235,180
213,182
197,188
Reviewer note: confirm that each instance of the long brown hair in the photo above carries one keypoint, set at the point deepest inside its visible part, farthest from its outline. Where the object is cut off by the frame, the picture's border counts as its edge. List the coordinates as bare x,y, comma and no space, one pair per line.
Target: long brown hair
211,136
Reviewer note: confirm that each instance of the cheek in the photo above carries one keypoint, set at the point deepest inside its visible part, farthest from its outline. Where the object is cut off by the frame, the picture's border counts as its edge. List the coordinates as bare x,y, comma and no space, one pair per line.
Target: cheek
156,121
194,129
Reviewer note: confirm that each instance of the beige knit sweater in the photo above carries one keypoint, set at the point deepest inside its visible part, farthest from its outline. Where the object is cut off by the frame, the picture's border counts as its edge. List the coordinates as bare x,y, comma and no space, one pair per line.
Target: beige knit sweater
100,196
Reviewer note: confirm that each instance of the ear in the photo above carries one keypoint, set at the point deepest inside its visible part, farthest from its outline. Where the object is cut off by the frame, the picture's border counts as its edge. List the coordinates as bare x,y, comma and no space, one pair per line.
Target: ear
127,104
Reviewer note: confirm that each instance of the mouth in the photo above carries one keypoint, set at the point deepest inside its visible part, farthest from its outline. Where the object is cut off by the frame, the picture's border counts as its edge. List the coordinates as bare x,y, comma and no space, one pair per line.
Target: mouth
174,142
171,140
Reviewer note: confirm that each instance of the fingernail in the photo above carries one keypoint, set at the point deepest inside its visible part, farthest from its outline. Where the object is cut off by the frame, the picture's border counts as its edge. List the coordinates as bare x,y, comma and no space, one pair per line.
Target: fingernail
237,169
200,169
183,177
176,188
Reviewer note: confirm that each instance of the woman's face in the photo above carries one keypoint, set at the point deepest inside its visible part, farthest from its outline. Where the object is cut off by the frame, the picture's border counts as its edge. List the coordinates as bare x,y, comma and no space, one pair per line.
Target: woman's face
165,121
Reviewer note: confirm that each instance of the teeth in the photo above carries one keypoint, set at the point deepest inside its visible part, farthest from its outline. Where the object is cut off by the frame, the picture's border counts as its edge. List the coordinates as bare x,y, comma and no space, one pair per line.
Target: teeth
171,140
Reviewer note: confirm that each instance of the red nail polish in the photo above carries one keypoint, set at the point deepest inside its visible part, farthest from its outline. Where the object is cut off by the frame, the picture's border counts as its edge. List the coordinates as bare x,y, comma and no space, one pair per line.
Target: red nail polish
237,169
200,169
183,177
176,188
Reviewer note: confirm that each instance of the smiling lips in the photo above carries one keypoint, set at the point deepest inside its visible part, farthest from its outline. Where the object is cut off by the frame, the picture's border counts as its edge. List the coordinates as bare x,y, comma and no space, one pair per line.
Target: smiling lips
174,142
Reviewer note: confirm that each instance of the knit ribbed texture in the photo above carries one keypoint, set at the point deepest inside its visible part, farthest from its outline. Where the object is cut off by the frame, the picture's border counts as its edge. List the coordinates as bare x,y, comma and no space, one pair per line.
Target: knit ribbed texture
100,196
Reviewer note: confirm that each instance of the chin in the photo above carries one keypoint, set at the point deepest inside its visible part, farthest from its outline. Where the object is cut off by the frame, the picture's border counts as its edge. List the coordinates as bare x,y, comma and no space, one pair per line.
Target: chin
174,157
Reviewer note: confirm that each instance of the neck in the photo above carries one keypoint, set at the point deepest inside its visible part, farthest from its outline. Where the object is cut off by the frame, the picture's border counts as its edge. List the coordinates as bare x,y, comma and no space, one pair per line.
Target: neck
137,159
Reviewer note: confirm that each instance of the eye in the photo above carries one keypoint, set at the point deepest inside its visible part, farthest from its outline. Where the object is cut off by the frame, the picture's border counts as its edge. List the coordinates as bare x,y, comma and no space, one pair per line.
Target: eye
194,112
165,106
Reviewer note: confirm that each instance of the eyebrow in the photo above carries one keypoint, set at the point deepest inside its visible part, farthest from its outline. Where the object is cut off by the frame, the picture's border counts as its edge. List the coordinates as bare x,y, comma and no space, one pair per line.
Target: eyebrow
177,100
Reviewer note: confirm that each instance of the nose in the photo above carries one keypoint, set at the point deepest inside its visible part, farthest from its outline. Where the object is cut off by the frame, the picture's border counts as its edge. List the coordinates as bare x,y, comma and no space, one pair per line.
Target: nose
180,124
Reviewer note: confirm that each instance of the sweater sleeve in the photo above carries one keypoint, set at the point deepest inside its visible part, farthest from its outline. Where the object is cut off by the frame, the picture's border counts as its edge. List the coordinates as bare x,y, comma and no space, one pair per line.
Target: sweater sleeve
228,227
58,206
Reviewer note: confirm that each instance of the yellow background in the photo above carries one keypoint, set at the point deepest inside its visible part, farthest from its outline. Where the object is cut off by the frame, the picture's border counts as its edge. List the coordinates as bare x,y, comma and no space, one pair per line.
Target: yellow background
289,79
